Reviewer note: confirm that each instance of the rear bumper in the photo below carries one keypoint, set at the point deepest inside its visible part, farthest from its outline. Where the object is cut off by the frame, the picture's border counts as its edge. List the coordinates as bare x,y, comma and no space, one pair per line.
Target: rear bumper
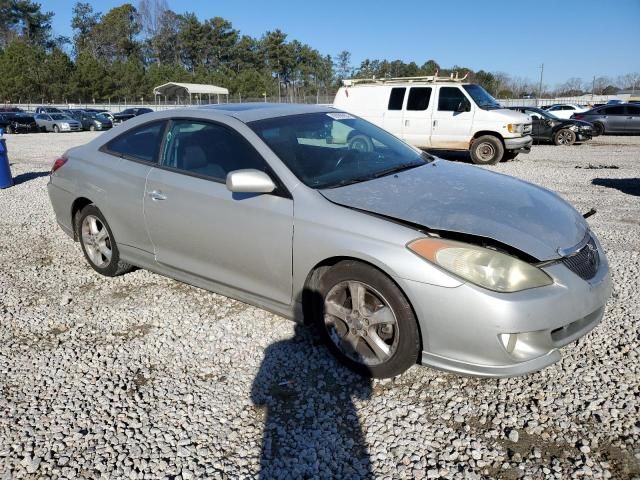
520,144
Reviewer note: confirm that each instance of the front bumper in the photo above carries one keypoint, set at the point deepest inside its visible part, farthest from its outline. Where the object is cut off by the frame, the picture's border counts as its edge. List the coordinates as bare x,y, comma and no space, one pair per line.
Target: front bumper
520,144
582,135
462,327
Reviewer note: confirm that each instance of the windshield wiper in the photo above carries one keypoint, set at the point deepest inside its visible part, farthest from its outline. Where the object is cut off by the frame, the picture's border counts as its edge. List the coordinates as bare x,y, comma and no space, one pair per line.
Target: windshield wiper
374,175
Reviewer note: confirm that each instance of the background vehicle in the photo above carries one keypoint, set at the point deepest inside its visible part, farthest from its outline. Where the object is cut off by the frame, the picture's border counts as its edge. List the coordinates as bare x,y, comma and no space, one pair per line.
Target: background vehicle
438,113
623,118
57,122
397,257
129,113
48,110
565,110
18,122
92,120
547,127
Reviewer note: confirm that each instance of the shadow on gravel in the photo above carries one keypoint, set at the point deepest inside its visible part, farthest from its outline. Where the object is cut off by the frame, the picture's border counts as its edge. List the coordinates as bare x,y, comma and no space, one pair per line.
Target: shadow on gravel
630,186
25,177
311,427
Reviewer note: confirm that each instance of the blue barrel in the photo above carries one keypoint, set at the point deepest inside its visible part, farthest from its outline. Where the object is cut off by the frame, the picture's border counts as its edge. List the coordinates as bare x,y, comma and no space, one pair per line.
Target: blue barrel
6,180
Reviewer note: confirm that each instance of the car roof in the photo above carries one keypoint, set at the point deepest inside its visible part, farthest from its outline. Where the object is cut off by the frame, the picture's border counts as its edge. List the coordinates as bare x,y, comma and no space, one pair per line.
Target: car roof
250,112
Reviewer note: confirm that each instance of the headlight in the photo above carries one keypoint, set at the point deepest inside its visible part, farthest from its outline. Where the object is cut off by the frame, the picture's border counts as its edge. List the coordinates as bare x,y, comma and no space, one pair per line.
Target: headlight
64,125
481,266
515,127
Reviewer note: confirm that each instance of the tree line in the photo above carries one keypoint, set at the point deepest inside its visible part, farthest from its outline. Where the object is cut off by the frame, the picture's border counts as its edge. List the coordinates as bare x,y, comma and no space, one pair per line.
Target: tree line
125,52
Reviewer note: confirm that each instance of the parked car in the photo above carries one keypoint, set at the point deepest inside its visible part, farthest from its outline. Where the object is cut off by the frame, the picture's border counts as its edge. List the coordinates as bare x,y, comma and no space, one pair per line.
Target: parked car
48,110
549,128
623,118
565,110
434,114
10,110
398,257
91,120
57,122
18,122
106,113
129,113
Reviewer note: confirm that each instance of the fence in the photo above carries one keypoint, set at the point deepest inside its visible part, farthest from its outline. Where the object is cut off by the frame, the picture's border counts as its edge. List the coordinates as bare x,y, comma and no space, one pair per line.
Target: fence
308,99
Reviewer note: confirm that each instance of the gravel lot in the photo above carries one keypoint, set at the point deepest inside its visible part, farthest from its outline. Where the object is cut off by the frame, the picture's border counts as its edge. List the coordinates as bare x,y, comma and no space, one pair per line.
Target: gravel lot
145,377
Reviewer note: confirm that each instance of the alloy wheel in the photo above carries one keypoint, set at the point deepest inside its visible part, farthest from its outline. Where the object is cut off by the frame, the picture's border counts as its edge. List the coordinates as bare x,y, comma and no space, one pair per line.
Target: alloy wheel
96,241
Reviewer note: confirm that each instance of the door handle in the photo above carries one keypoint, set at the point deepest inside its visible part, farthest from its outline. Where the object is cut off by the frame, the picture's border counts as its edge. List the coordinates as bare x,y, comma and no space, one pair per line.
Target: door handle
406,123
435,122
157,195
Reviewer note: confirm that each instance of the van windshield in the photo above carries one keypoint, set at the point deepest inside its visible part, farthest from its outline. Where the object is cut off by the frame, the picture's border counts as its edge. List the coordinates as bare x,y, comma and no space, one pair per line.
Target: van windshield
333,149
482,97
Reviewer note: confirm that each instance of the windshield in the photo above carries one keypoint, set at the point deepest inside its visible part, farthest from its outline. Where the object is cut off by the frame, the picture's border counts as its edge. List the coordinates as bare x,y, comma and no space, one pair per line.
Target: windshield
481,97
60,116
327,150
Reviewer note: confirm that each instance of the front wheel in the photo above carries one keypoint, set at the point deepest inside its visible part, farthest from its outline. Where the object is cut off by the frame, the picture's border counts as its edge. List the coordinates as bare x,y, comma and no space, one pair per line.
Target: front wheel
92,128
56,129
486,150
366,321
98,244
9,129
564,137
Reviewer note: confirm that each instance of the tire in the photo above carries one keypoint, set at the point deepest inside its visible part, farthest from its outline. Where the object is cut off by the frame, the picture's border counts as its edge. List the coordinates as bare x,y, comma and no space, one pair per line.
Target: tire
361,143
92,128
486,150
509,156
598,129
564,136
347,331
98,244
9,129
56,129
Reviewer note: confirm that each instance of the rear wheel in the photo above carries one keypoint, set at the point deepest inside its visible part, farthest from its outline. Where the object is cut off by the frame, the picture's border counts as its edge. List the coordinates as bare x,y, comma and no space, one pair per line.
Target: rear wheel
98,244
486,150
564,136
56,129
598,128
366,321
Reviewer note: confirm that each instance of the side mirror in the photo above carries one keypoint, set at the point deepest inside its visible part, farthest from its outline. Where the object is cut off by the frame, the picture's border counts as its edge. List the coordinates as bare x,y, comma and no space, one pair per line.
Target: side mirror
249,181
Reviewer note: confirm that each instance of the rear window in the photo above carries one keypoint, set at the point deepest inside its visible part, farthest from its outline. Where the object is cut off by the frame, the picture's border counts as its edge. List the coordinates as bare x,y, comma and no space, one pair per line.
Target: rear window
141,143
419,98
396,99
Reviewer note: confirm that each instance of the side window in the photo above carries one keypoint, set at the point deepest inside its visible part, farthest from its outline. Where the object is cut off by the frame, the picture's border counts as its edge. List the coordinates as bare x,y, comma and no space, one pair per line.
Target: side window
141,143
396,99
633,110
450,98
418,98
208,149
614,110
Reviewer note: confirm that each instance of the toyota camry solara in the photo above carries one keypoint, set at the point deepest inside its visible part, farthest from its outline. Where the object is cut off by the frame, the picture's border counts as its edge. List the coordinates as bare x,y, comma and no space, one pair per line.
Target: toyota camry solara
395,256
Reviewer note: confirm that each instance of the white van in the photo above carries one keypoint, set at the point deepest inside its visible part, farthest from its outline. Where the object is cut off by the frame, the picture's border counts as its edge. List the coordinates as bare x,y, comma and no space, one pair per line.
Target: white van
438,113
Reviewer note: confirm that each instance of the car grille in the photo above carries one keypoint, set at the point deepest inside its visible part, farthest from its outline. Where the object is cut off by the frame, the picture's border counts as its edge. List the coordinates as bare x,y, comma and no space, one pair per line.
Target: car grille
585,262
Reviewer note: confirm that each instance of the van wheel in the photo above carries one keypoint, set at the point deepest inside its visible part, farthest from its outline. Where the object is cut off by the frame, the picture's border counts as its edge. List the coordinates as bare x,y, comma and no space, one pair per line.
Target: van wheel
366,321
98,244
564,137
486,150
361,143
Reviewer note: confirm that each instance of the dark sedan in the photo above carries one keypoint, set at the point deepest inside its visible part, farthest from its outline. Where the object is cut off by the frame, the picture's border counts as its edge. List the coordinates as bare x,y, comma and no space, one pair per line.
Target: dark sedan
18,122
561,131
92,120
129,113
614,119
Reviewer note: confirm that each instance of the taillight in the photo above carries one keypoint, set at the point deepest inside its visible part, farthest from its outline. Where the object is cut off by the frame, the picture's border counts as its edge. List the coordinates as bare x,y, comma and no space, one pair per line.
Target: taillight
58,163
577,117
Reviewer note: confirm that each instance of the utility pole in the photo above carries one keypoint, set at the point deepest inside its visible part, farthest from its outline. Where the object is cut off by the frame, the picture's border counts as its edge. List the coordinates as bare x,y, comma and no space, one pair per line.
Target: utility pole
540,85
593,87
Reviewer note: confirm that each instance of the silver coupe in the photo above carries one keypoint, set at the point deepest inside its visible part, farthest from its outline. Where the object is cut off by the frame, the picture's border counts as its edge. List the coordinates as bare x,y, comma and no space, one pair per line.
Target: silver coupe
395,256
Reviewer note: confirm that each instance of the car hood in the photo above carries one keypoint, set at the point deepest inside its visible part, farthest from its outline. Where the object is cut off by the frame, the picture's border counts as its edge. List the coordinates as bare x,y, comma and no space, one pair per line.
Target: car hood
447,196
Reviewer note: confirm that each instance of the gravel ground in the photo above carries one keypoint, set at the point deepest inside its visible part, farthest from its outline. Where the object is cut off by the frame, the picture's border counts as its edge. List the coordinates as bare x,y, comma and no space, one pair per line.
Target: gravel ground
144,377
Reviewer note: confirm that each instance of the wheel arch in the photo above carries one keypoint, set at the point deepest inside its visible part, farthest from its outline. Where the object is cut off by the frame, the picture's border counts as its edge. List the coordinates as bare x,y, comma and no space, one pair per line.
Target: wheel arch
77,205
309,292
481,133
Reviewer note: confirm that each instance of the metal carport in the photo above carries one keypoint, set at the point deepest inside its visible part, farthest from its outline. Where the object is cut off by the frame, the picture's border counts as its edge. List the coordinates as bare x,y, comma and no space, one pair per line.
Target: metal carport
189,90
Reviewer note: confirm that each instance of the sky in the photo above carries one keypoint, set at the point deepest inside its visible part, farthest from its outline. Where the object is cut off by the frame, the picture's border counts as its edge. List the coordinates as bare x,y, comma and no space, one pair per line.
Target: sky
572,39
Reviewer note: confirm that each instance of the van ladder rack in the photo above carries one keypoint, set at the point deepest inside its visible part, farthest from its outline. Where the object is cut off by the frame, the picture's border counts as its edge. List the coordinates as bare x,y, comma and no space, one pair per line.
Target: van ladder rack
430,78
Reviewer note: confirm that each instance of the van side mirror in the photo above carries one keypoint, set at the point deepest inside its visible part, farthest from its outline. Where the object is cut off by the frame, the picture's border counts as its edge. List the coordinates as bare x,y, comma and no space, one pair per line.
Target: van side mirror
249,181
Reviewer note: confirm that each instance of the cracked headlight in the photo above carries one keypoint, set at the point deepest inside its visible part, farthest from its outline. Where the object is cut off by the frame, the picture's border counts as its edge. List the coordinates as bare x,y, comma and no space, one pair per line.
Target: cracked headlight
482,266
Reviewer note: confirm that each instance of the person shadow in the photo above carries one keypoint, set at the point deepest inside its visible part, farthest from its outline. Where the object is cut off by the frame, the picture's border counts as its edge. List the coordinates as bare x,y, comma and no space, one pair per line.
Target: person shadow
311,425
